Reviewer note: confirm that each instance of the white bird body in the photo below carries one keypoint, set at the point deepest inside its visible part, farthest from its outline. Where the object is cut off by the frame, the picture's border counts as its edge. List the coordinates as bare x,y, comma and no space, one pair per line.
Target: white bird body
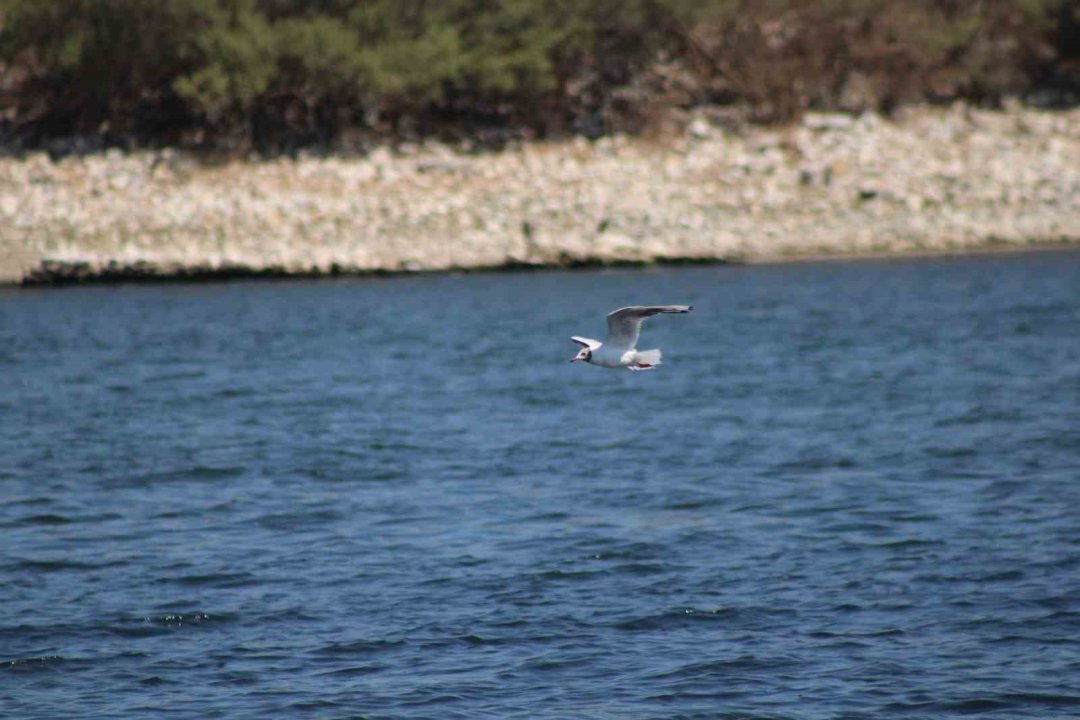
619,349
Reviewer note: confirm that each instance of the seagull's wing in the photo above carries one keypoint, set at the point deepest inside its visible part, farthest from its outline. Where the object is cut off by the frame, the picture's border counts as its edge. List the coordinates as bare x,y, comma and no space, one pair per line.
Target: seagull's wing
624,325
586,342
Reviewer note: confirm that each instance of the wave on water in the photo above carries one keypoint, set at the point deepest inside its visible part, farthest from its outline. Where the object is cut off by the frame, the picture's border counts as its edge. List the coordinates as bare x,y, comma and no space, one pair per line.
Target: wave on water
834,502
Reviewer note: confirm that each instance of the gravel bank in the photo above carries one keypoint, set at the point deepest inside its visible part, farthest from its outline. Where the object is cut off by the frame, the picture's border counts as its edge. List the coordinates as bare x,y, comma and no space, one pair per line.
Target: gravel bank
930,180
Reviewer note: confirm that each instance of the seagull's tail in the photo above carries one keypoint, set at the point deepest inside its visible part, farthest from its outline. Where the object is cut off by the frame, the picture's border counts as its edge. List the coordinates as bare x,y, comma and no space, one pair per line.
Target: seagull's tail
649,358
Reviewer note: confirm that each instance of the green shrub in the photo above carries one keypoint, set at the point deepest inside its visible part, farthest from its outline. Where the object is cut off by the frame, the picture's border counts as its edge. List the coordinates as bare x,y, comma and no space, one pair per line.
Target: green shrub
278,73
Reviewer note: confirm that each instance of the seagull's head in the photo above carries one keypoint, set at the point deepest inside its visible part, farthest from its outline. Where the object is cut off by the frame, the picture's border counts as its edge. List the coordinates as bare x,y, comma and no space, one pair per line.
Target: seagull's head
585,354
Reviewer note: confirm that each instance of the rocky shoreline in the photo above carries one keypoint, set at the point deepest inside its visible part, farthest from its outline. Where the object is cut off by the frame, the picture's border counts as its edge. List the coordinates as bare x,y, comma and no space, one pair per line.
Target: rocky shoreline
929,180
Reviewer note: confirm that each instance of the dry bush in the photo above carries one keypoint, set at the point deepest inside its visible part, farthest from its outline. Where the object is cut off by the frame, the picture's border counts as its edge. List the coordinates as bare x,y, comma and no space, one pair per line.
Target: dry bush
780,58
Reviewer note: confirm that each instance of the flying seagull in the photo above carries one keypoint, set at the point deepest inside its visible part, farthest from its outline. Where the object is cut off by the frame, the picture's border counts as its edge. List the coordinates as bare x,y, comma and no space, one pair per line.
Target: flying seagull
619,350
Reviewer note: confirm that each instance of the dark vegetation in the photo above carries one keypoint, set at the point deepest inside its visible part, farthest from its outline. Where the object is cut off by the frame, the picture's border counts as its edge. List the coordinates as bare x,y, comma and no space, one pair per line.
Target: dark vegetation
279,75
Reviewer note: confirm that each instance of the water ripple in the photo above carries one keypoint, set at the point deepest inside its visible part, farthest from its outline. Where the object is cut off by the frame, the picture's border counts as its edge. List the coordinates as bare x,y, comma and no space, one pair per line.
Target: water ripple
849,493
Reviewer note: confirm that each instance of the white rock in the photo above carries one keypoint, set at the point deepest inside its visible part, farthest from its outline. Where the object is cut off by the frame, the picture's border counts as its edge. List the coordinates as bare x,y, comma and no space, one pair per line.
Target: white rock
827,121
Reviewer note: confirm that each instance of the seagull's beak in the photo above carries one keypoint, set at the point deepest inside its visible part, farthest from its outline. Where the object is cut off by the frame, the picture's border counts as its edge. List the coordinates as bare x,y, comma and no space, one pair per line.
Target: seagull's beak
574,359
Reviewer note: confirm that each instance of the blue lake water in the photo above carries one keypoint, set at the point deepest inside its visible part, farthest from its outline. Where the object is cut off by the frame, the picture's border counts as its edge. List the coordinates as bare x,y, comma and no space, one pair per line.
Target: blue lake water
852,491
